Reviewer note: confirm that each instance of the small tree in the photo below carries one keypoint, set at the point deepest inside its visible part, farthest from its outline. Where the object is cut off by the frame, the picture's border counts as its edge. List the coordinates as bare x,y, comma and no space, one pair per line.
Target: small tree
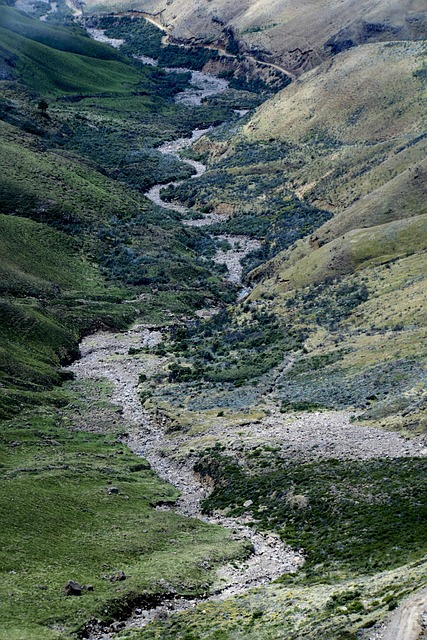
43,105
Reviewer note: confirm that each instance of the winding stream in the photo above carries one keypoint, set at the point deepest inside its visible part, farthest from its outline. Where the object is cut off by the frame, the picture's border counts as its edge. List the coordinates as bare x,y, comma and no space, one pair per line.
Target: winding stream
202,86
240,245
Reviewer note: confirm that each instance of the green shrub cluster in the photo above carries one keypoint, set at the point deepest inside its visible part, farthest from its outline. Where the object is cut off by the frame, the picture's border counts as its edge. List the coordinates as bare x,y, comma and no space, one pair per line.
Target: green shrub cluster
224,350
329,302
352,516
145,39
252,181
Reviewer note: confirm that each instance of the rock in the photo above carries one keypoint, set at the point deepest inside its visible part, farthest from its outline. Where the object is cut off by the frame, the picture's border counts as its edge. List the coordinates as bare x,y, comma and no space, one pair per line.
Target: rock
88,587
161,615
119,576
248,503
73,588
112,490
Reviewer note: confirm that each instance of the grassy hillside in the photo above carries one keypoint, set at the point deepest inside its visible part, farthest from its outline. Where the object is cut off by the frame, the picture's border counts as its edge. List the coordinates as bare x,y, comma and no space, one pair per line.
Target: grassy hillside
82,249
73,40
297,35
60,522
374,182
338,161
71,172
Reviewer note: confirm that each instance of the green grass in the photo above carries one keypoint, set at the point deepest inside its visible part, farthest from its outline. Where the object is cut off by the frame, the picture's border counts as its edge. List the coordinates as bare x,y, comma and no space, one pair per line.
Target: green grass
73,40
58,522
51,72
37,260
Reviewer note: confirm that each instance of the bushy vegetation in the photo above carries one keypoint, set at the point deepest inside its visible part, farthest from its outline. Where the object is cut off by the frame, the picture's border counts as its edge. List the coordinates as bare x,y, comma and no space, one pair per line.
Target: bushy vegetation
226,350
349,516
145,39
252,183
330,302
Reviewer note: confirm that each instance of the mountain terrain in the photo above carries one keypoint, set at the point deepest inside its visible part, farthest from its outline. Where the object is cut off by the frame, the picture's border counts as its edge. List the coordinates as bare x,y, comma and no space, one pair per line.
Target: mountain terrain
295,35
213,320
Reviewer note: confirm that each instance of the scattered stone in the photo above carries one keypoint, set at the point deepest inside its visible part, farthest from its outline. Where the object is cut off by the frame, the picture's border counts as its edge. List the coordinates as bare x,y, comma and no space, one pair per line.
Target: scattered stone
119,576
112,490
308,436
73,588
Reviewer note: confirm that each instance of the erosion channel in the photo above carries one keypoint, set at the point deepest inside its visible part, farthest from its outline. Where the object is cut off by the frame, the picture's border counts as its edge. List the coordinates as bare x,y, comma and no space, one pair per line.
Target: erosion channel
106,356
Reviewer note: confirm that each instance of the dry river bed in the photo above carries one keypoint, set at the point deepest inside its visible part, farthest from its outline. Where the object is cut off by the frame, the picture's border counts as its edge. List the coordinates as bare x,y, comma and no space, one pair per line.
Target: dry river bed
239,246
202,86
105,355
314,435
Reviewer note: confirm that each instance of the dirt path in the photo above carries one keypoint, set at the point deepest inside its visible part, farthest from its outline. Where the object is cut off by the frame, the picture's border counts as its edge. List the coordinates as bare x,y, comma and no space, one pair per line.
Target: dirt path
408,621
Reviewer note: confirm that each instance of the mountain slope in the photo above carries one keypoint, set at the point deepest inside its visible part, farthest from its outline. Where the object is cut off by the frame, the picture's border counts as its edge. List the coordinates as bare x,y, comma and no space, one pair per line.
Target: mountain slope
67,179
296,35
347,140
370,171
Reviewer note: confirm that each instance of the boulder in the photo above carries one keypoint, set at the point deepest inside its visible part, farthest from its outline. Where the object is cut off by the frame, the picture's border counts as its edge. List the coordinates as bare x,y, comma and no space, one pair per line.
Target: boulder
73,588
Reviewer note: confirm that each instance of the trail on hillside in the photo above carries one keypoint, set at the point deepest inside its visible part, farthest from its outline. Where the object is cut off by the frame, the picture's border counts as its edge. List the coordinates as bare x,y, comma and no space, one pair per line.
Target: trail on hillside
408,621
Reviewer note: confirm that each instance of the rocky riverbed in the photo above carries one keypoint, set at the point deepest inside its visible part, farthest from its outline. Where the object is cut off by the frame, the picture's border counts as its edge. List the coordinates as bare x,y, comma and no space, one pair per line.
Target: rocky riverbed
304,436
106,356
239,246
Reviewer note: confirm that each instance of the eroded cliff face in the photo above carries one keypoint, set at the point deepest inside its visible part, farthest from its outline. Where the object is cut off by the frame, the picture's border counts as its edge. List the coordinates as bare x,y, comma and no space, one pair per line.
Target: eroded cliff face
292,34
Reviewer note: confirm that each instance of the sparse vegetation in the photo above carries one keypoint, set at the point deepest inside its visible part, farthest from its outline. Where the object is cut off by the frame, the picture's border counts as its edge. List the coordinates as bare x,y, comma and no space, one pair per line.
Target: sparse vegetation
357,517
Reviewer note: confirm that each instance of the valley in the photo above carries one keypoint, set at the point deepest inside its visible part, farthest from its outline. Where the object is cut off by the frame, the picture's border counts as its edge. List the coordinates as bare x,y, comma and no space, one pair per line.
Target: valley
213,322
